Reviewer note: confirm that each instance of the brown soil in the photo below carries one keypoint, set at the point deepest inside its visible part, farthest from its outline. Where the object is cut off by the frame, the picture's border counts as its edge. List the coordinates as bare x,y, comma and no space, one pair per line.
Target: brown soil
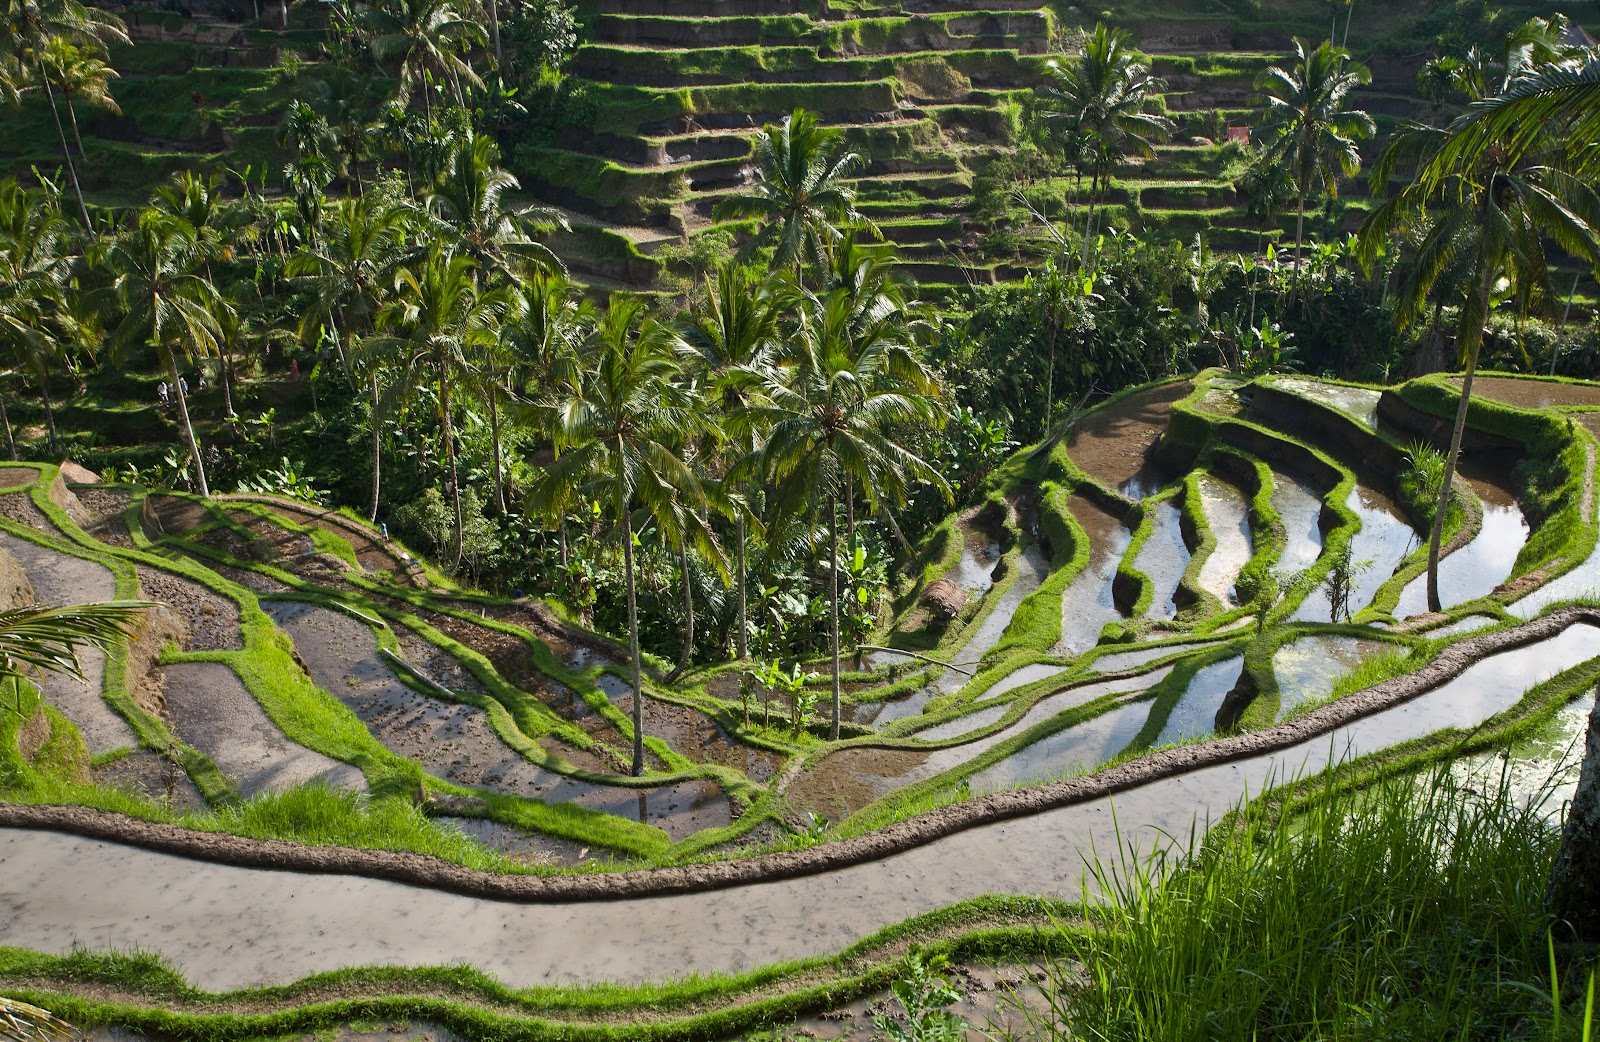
374,554
170,515
563,641
211,619
839,786
17,475
18,508
698,737
15,589
1111,444
34,732
156,629
1533,394
426,871
1097,524
153,776
103,515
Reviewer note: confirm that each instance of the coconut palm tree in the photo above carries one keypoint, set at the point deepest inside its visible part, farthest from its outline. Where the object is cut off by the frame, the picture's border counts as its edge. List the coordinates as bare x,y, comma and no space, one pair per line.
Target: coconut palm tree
727,347
801,195
425,39
834,417
78,73
165,302
434,326
37,329
1476,213
346,271
468,202
1309,127
1098,104
617,432
27,28
37,640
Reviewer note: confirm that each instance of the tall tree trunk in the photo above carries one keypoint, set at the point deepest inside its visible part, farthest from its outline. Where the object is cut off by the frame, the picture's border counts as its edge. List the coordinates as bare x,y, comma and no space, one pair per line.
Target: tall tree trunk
5,421
225,376
833,605
688,613
494,35
188,427
66,153
633,643
1437,534
850,516
494,438
741,640
1299,237
450,456
49,410
77,138
1573,893
377,447
1050,371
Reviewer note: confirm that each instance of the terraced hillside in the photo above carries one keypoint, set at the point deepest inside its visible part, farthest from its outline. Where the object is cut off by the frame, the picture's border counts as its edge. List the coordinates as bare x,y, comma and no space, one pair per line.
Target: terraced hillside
924,92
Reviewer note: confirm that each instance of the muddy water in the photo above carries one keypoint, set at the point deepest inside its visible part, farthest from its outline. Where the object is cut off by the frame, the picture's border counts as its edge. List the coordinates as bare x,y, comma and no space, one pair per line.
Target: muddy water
1383,541
1357,402
1582,581
1475,569
1299,507
1032,567
1118,661
1228,513
225,927
1308,668
849,780
1164,557
63,579
455,741
1195,714
213,711
693,734
1461,627
1112,443
1086,603
974,571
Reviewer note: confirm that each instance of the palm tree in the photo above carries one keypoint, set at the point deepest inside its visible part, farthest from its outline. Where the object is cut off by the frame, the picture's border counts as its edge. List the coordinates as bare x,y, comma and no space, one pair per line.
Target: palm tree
468,201
340,99
835,419
36,326
346,270
27,28
1308,126
800,196
78,73
435,324
1477,213
617,431
166,304
1099,102
47,639
727,346
425,38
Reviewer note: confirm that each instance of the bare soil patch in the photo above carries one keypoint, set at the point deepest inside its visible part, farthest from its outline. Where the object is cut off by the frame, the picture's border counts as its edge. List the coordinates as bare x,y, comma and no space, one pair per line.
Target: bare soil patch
1111,444
154,776
211,710
212,620
17,507
374,554
1533,394
104,511
842,783
695,735
173,515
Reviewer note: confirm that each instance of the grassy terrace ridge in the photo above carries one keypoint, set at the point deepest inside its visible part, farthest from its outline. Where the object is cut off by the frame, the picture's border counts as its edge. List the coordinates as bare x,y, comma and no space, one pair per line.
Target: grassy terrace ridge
232,542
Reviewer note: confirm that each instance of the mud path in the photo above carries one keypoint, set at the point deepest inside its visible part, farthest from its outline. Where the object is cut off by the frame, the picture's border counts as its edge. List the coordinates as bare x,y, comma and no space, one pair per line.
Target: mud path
59,578
225,926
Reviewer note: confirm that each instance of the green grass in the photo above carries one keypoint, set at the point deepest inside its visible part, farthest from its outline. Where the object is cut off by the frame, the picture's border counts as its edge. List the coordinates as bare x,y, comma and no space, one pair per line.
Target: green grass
1410,909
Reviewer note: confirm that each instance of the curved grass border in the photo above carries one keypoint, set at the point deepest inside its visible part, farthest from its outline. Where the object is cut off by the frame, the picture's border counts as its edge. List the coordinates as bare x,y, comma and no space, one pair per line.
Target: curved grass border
431,872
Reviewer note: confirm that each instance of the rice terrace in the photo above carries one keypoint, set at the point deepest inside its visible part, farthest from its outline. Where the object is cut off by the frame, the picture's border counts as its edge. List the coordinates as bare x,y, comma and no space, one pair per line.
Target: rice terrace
908,520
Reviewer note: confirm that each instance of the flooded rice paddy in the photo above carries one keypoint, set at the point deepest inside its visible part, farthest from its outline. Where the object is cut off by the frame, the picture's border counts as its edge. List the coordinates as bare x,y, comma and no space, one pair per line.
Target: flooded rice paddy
1228,514
1163,558
1476,569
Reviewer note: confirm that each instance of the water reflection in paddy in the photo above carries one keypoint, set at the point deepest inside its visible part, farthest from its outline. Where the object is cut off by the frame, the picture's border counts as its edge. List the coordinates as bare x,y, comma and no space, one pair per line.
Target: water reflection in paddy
1474,570
1308,668
1087,603
1196,712
1299,507
1228,514
1383,541
1163,558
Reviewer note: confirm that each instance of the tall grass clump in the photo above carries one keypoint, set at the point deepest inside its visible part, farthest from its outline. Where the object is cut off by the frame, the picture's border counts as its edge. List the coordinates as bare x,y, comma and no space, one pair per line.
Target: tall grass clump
1411,909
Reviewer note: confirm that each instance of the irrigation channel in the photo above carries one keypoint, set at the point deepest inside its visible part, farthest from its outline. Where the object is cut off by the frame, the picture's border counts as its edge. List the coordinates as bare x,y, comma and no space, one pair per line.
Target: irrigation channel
1131,724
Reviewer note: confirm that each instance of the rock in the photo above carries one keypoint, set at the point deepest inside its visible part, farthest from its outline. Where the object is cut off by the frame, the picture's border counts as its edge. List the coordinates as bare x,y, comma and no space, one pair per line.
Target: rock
77,474
944,598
